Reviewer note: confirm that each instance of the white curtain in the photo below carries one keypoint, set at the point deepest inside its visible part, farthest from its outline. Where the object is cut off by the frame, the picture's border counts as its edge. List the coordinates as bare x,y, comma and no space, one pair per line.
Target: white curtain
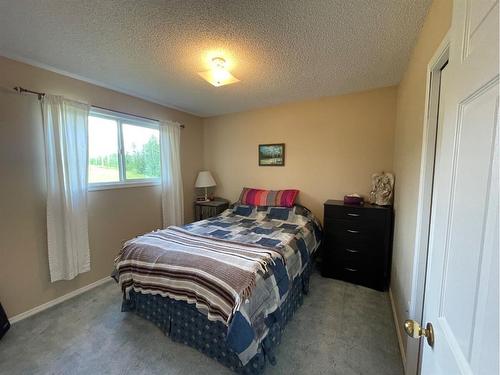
172,197
66,154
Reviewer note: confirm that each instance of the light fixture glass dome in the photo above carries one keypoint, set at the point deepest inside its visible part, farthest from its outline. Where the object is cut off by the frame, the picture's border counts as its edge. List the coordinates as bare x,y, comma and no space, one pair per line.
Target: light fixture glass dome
218,75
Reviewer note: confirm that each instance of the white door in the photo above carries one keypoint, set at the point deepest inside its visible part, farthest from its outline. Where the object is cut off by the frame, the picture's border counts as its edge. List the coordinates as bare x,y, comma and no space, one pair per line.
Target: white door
462,282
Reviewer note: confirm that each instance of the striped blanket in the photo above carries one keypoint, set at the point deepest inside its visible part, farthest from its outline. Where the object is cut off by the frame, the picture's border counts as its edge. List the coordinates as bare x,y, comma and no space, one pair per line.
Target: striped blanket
214,274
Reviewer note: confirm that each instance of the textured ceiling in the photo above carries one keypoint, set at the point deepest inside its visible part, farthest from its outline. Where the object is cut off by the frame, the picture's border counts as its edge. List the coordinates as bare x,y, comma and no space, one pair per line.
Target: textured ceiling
281,50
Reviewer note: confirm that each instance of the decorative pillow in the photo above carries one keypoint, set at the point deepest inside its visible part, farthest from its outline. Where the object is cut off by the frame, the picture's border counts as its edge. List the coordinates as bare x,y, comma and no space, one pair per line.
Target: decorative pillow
276,198
279,213
242,210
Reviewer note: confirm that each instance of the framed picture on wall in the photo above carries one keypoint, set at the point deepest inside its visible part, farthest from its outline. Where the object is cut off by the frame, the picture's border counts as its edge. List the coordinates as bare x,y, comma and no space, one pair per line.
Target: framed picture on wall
272,155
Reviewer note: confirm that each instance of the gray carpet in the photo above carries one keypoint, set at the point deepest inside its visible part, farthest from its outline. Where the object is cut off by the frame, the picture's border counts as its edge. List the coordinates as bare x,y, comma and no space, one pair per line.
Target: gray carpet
341,329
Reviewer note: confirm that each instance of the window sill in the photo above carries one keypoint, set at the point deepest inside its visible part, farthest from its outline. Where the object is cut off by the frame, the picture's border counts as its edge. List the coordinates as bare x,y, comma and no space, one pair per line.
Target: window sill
121,185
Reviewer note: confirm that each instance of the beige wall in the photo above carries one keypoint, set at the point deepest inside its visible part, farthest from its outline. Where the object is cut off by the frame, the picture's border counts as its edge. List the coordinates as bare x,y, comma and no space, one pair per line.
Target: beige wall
114,215
333,145
407,151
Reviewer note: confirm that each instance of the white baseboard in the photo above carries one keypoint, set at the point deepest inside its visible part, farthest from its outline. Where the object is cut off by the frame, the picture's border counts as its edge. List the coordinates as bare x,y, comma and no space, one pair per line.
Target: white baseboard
398,332
58,300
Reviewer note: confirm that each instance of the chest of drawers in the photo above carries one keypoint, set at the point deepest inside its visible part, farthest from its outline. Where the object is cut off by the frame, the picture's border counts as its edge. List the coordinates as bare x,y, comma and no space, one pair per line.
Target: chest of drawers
357,243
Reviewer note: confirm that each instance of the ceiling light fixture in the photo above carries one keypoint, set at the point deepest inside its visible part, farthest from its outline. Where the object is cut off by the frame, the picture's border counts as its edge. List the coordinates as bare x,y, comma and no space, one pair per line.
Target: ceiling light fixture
218,75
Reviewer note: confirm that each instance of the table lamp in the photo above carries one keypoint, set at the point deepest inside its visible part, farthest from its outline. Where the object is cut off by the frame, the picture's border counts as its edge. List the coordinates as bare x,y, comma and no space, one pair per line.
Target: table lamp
205,180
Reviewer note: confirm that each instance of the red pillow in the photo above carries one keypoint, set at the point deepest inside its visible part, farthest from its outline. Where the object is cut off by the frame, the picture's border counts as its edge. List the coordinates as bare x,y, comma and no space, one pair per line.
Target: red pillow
259,197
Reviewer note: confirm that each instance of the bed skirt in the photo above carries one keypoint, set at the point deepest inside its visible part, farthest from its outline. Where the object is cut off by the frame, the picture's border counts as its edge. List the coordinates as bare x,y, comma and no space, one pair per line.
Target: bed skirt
184,323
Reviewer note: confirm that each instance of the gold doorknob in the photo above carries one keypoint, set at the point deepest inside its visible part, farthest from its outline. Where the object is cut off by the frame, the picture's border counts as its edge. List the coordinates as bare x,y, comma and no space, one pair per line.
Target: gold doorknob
413,329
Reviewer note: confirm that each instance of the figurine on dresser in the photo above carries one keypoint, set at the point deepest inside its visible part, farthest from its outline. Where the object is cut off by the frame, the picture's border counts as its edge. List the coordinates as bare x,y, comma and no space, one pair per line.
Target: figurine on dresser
382,189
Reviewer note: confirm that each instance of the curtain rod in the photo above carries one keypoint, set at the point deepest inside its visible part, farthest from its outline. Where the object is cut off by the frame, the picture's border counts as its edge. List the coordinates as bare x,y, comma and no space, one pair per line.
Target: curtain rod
20,90
40,95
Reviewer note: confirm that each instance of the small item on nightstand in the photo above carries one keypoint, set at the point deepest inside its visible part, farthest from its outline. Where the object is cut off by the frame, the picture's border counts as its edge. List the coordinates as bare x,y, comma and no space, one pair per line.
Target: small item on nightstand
354,199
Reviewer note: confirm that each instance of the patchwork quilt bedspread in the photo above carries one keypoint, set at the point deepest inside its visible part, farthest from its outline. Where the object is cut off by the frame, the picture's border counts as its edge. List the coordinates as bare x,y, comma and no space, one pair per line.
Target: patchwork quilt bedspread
236,268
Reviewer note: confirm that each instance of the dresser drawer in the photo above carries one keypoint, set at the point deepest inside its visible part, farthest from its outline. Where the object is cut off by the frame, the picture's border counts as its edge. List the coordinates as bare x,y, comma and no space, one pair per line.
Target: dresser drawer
352,274
353,213
352,259
356,268
351,231
356,250
352,256
358,246
360,275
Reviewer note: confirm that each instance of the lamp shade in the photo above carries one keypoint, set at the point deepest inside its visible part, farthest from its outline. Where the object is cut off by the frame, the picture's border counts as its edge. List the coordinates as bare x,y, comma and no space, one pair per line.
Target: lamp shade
204,179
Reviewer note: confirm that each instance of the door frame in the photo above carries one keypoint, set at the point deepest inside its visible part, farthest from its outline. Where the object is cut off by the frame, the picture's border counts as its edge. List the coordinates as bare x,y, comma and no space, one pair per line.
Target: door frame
424,203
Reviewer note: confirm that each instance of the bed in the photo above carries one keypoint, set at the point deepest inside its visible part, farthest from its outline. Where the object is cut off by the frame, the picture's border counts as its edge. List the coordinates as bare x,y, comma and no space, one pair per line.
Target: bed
226,286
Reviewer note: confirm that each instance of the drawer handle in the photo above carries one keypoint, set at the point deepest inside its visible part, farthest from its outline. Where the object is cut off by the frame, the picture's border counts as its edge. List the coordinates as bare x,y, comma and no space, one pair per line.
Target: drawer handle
352,251
351,214
350,269
353,231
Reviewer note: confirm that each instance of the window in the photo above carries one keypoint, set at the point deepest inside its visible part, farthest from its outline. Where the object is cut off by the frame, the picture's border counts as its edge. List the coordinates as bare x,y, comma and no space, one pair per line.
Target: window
103,150
123,150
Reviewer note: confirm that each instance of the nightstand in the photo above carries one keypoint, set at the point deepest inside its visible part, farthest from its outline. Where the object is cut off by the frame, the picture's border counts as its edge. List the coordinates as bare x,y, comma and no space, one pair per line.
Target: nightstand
358,243
204,210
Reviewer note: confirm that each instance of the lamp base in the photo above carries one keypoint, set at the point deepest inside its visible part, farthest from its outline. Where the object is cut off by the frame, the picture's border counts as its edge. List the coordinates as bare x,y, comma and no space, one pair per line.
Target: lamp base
205,197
